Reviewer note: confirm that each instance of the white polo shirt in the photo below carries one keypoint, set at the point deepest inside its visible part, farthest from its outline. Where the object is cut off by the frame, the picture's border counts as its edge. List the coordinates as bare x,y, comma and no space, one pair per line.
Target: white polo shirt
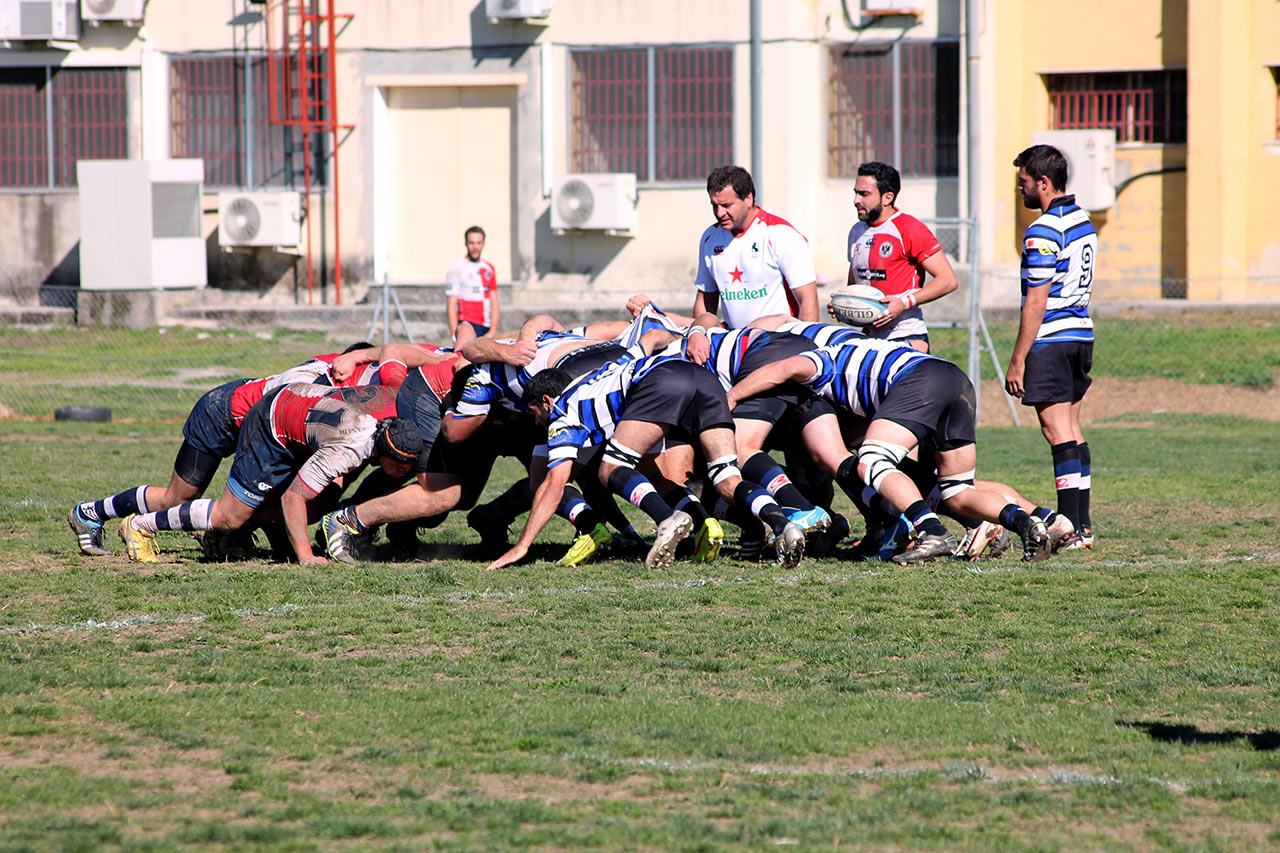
754,271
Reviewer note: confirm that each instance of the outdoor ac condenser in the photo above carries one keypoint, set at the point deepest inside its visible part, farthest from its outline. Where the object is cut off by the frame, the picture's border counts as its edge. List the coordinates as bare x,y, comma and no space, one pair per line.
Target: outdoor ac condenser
516,10
112,10
39,20
604,201
263,218
140,224
1091,164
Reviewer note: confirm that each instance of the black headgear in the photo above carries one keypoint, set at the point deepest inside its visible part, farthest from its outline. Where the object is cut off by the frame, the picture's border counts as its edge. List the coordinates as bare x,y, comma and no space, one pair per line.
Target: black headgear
398,439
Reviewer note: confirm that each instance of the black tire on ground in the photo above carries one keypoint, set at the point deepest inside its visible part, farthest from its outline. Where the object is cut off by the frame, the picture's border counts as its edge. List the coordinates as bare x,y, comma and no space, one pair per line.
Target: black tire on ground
82,413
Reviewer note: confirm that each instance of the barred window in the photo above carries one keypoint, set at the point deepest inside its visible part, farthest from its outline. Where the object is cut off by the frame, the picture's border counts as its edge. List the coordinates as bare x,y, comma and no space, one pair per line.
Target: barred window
52,117
1275,76
664,113
220,113
1141,106
922,138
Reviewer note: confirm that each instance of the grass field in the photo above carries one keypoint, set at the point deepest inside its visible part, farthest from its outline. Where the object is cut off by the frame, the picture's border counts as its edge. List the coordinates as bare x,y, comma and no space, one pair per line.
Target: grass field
1124,698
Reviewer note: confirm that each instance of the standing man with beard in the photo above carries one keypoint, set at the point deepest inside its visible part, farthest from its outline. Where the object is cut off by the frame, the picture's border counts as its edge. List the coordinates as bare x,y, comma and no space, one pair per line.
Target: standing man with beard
892,251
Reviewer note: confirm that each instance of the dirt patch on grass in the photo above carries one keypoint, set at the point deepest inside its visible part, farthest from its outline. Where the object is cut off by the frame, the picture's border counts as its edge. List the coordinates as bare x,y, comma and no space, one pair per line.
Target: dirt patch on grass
1109,398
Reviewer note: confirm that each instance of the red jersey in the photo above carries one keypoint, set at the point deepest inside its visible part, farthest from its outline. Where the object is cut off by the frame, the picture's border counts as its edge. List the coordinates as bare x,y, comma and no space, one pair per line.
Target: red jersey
474,283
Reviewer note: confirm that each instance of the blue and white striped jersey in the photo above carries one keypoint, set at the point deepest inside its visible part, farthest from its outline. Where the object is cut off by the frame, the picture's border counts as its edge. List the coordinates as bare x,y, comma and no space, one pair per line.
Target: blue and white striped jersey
1060,250
822,334
498,382
588,411
858,374
728,348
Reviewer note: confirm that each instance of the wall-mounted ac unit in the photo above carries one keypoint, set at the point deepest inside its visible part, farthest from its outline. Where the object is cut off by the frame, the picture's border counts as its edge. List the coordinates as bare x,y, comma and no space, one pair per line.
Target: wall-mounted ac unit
112,10
262,218
508,10
140,224
1091,164
877,8
604,201
39,20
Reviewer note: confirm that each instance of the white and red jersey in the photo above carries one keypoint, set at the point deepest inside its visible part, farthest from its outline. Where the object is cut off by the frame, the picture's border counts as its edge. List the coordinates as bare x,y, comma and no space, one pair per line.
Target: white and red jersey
439,376
315,371
755,271
890,256
332,427
474,283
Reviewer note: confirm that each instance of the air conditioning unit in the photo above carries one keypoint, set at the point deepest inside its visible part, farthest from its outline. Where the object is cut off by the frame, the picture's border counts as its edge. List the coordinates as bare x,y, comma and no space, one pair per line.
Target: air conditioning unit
1091,164
508,10
605,201
112,10
140,224
878,8
39,20
267,218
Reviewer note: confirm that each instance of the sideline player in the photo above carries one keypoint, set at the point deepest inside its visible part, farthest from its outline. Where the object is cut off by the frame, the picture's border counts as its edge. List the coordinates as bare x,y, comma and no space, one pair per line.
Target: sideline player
334,431
893,251
750,262
1049,368
471,289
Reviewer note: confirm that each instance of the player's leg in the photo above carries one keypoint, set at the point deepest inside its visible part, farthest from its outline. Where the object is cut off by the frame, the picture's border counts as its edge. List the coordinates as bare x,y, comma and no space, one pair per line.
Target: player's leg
959,490
619,471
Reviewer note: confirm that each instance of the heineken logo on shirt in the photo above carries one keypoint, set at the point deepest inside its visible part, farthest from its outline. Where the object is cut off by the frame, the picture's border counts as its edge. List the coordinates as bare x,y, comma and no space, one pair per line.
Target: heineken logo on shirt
740,295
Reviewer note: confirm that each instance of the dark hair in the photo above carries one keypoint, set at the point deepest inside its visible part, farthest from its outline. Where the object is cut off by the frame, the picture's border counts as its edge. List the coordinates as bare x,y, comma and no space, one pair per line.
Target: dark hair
474,229
549,383
358,345
398,439
731,176
1044,161
887,178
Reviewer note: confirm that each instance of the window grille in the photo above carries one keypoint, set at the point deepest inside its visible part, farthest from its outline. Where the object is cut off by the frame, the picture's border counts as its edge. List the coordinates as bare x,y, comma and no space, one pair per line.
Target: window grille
1141,106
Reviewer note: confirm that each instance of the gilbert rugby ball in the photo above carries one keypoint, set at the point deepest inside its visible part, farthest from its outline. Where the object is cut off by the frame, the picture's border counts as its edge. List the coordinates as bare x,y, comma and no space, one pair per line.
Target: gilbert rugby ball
857,304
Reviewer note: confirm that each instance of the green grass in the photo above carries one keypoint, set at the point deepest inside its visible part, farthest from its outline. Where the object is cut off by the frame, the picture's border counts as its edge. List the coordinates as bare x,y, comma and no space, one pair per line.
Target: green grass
1121,698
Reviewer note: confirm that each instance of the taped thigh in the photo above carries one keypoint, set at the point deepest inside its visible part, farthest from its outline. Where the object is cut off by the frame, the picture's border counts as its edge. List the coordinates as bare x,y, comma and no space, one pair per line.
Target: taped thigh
881,458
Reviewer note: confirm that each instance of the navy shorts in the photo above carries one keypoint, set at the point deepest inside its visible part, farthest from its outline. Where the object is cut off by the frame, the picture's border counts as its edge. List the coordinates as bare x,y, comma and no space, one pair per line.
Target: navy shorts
416,401
262,463
936,402
1057,372
210,428
481,331
681,395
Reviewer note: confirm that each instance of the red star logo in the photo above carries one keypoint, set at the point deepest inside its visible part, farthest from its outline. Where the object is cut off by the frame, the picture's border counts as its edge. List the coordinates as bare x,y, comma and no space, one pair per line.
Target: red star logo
737,274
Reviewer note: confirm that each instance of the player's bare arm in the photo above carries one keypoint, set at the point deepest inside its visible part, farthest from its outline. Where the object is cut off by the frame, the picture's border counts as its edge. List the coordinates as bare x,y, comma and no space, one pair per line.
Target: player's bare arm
456,429
451,310
807,301
545,500
704,303
1028,325
796,368
495,314
488,350
941,282
293,506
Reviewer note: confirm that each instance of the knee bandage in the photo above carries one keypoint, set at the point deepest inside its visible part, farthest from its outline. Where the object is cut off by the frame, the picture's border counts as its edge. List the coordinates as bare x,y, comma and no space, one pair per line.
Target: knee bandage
723,468
621,455
881,459
954,484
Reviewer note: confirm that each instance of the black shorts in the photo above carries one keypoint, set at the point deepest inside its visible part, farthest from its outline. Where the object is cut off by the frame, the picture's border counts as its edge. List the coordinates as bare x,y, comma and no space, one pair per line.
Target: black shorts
474,458
775,404
936,402
590,358
1057,372
790,421
681,395
210,428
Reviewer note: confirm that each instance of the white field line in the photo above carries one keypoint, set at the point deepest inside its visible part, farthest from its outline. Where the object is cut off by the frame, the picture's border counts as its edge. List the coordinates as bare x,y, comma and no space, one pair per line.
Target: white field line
145,620
954,771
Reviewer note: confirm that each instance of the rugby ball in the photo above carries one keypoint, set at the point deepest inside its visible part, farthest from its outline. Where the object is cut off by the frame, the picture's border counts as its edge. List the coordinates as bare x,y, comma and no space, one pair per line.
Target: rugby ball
857,304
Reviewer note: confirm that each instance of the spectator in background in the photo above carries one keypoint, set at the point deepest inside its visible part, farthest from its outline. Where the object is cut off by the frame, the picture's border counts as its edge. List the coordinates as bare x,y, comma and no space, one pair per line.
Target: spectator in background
471,289
892,251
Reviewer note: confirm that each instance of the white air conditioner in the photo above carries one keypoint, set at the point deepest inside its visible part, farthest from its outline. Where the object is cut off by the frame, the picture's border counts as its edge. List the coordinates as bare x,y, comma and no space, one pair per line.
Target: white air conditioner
39,20
1091,164
265,218
893,7
605,201
507,10
112,10
140,224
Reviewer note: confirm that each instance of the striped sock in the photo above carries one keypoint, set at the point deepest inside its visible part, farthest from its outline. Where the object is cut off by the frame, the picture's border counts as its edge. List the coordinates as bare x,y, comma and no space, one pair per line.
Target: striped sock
1066,478
193,515
127,502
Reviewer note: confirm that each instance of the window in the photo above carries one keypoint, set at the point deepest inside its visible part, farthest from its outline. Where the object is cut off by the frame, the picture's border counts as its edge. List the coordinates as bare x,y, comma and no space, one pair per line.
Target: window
1275,76
922,139
665,113
220,113
1141,106
52,117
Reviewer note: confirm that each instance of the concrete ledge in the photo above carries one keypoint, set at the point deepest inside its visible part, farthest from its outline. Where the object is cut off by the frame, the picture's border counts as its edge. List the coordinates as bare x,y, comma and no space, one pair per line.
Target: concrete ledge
37,317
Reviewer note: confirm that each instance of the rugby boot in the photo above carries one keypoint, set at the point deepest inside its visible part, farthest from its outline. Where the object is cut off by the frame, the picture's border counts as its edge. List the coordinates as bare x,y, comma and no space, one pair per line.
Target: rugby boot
710,538
1035,542
139,545
1060,531
586,546
824,544
340,536
929,546
1082,538
896,538
977,541
669,534
811,521
789,546
88,533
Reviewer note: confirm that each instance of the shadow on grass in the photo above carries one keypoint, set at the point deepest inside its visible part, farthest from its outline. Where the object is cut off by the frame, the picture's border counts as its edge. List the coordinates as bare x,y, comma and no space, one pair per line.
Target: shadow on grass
1264,741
